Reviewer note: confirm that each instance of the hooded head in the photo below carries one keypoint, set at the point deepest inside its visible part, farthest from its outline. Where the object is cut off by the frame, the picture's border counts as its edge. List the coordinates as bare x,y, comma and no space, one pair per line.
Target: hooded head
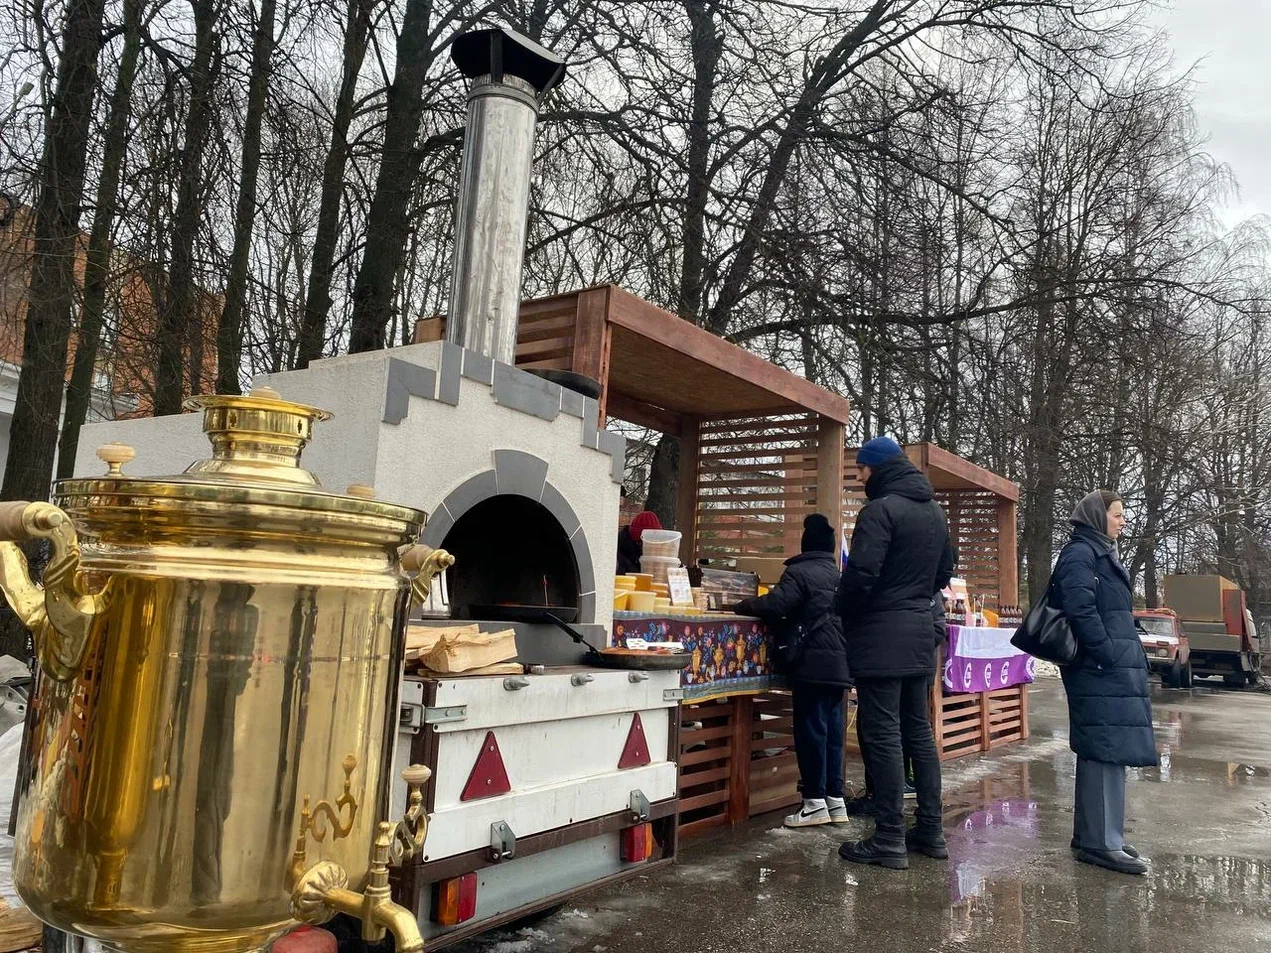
1092,512
818,535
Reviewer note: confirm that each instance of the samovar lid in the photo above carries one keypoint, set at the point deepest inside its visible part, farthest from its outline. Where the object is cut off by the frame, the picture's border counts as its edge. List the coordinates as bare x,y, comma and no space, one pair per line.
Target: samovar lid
257,441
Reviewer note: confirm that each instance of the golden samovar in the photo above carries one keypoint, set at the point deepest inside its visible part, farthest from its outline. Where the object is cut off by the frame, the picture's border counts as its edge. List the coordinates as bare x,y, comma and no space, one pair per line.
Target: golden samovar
214,716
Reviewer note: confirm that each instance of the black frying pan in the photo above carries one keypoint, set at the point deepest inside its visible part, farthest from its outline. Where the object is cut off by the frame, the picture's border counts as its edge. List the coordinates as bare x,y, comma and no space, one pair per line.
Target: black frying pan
647,661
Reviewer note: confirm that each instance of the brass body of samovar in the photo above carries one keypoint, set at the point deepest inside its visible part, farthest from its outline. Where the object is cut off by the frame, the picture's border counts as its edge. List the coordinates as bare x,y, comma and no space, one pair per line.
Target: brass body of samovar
213,721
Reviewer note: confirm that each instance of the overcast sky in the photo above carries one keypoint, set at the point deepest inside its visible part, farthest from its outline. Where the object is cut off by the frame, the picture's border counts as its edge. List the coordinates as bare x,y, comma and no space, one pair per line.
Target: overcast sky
1229,38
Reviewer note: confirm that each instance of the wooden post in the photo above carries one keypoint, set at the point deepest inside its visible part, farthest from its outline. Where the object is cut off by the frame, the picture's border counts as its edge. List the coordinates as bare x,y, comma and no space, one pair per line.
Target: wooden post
830,436
1007,554
591,343
739,760
1023,712
688,487
937,704
986,720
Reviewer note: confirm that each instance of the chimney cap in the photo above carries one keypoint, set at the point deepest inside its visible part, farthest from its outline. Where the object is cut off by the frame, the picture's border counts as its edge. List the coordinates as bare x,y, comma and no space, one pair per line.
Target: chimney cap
499,51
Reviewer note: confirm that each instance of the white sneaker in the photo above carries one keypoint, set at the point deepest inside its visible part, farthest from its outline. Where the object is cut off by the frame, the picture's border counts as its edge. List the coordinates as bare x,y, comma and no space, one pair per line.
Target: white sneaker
812,814
837,808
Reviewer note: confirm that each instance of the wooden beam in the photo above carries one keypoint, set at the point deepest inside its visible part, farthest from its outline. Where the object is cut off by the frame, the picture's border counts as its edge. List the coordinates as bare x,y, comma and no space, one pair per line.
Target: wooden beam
646,415
429,329
829,471
688,489
940,459
590,353
1007,553
649,321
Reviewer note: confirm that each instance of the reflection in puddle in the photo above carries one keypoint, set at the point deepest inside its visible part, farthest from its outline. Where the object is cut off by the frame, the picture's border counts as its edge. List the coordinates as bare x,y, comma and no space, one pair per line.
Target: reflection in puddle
1178,767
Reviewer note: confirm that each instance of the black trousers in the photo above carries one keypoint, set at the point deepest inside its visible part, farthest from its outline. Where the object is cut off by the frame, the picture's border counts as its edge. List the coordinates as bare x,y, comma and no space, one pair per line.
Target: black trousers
894,724
818,739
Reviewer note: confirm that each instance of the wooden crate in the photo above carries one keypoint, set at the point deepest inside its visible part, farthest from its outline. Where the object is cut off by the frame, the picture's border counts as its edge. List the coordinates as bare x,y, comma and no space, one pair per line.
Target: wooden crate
774,771
705,764
973,723
736,760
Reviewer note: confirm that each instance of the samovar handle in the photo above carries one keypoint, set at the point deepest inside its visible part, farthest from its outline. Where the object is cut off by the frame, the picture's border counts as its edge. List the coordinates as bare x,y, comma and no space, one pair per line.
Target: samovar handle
60,613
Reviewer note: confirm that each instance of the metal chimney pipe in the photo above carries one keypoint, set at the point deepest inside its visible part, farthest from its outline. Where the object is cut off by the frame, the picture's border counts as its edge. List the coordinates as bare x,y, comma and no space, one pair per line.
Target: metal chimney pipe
509,76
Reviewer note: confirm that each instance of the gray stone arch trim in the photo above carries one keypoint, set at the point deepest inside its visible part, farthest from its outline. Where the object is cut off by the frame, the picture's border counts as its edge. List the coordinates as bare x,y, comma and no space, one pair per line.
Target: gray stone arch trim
517,473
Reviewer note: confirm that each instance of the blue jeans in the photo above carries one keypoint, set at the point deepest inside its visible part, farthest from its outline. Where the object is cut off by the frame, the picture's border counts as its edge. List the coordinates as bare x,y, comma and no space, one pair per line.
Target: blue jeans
818,739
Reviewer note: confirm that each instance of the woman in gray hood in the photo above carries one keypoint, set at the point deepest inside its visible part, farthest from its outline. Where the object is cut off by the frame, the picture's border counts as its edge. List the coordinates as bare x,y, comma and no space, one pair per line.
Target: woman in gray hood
1109,704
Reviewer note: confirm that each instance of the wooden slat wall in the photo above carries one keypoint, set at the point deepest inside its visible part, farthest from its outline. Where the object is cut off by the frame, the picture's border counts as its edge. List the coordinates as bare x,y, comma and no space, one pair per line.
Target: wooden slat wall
973,527
756,480
545,334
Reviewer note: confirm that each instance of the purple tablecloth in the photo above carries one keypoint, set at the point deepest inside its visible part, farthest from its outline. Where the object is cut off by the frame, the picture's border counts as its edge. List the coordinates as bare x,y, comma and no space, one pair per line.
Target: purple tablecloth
982,660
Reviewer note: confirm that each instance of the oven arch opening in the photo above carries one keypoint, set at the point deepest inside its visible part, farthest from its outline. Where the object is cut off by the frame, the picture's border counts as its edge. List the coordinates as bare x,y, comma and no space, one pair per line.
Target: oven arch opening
510,550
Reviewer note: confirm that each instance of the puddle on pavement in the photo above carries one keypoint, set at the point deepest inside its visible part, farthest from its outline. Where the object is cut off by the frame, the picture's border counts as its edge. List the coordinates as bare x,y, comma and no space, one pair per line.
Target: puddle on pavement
1228,774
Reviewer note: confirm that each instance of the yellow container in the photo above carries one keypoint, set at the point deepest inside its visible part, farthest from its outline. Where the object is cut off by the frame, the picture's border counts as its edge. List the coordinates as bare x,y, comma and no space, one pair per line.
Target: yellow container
643,581
620,601
625,583
661,605
640,602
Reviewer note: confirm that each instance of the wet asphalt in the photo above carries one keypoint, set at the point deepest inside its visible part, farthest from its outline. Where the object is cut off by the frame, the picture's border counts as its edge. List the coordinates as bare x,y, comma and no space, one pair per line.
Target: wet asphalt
1010,885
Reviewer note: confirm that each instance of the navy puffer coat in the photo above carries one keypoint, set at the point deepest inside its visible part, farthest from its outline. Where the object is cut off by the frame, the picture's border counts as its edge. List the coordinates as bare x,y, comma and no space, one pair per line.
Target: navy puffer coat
800,608
1109,701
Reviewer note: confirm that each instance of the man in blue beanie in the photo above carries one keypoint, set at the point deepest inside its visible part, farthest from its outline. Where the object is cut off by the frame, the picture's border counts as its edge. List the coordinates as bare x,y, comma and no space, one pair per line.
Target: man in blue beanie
899,559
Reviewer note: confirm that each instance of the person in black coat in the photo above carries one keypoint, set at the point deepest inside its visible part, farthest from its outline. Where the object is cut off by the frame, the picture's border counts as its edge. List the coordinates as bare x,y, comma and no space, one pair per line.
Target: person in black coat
810,652
1109,701
899,560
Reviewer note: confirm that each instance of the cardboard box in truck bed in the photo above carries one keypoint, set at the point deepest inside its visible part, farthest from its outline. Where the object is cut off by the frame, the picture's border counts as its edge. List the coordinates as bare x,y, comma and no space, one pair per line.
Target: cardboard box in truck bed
1197,598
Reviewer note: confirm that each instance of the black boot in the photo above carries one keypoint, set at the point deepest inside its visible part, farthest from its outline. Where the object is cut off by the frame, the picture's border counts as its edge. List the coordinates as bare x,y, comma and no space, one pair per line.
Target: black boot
928,843
860,806
870,852
1125,847
1117,860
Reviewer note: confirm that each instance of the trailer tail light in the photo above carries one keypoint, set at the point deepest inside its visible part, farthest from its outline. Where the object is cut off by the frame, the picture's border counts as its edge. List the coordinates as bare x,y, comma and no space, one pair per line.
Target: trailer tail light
455,900
637,843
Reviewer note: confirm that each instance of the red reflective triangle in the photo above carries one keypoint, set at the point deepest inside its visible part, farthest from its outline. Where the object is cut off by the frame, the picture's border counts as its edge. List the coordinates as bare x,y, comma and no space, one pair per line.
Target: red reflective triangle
489,777
636,751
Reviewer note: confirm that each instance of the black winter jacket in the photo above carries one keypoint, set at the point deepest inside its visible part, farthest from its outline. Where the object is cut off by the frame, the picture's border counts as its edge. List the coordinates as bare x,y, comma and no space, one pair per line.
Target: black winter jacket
630,552
1109,701
800,610
899,559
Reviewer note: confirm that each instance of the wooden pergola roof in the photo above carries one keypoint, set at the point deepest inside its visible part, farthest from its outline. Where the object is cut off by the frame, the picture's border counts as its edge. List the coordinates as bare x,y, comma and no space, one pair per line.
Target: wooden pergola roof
662,361
951,473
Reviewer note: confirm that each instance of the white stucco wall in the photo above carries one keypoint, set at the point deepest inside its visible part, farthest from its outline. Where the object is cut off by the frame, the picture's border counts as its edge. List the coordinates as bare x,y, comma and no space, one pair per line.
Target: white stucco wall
417,462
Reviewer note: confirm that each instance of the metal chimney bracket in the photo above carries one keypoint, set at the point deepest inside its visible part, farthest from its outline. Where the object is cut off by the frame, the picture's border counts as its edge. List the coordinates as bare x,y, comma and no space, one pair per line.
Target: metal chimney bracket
640,807
502,842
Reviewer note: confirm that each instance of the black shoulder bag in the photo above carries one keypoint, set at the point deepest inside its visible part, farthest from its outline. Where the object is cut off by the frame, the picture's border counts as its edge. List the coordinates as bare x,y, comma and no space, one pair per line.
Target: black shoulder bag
1045,632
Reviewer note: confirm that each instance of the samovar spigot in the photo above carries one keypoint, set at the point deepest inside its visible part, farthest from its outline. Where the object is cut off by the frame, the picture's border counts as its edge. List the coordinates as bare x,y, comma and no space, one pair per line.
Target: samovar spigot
322,891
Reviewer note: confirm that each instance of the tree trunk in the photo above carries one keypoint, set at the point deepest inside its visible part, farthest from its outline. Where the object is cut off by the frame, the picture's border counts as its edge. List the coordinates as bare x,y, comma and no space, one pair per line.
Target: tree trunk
181,307
51,290
229,332
97,266
706,46
386,223
663,473
318,298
